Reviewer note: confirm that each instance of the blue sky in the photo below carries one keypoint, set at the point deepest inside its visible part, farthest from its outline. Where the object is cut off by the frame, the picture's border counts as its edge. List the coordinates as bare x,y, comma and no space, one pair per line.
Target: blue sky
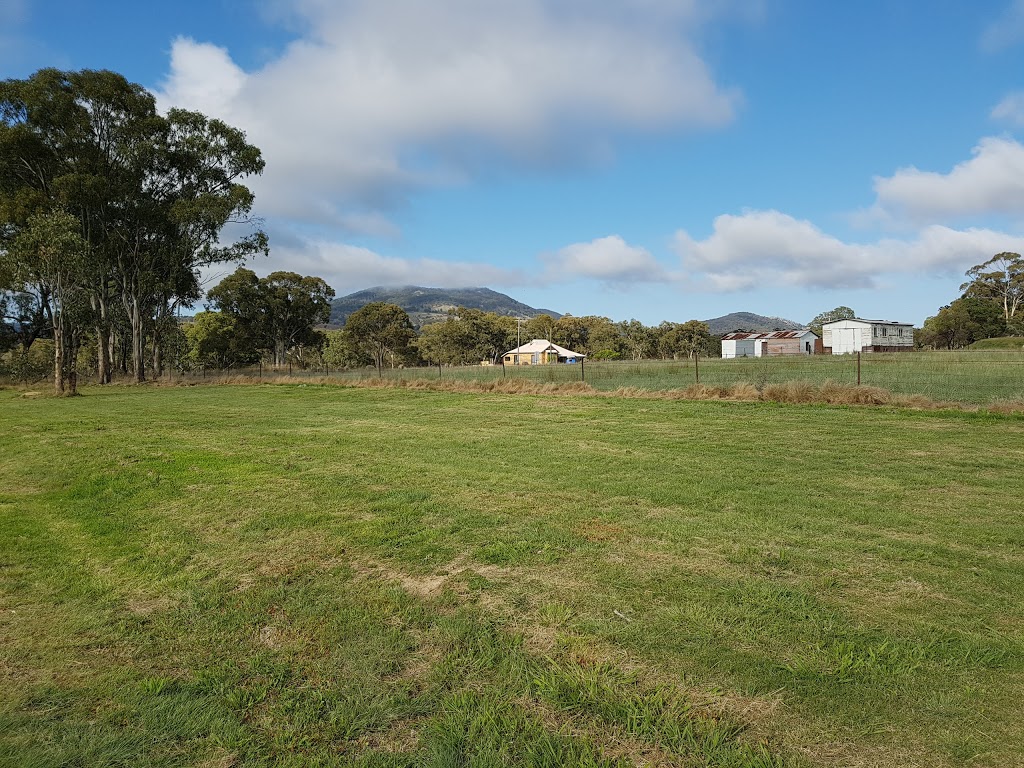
656,159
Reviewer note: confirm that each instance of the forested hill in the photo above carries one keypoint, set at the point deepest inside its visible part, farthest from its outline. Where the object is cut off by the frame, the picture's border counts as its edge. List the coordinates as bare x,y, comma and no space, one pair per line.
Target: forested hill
426,305
748,321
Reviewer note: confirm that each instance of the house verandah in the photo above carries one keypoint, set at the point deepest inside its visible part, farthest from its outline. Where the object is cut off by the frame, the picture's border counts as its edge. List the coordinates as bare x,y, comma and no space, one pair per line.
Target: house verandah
541,352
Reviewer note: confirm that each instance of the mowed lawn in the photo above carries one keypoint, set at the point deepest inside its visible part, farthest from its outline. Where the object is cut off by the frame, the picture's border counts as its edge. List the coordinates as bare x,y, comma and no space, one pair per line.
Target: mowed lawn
288,575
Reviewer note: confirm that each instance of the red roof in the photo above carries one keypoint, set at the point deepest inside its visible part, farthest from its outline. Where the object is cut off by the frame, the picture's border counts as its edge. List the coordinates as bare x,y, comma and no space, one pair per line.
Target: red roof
738,335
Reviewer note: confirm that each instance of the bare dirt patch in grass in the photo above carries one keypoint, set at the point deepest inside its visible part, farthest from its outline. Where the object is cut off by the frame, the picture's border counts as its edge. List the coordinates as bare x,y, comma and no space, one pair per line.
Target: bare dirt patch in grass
428,585
222,759
401,737
147,605
596,530
270,636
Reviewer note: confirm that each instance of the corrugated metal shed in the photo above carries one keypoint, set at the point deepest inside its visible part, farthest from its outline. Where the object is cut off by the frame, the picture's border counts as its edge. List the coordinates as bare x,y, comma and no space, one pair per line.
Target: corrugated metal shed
738,335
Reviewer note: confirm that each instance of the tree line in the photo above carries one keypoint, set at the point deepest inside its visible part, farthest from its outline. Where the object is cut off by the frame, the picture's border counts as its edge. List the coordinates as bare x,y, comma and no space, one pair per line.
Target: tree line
990,305
108,212
275,319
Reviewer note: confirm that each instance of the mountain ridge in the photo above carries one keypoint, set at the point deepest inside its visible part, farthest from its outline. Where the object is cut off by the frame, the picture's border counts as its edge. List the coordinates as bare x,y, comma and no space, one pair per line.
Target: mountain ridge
427,305
748,321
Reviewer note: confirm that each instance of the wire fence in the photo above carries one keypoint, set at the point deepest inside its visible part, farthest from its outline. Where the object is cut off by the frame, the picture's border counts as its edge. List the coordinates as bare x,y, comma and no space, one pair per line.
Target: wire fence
976,377
967,377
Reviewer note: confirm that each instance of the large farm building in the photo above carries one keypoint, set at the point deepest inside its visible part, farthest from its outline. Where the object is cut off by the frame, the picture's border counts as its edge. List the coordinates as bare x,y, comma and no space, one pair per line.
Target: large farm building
843,337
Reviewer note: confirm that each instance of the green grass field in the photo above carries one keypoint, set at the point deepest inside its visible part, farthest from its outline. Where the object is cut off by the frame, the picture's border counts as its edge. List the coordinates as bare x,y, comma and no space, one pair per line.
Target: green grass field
976,377
300,575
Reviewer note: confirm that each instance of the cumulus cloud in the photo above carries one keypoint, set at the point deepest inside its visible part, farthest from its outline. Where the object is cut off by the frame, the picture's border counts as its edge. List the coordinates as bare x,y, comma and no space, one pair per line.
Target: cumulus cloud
348,268
609,259
1010,109
990,183
1007,30
768,248
379,98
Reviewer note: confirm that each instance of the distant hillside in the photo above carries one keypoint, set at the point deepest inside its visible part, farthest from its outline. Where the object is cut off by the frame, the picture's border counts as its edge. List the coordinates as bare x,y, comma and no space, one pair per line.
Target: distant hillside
748,321
427,305
1000,342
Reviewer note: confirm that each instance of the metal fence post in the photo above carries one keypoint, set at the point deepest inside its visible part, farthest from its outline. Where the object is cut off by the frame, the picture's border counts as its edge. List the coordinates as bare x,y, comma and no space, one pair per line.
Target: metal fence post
583,373
858,367
696,366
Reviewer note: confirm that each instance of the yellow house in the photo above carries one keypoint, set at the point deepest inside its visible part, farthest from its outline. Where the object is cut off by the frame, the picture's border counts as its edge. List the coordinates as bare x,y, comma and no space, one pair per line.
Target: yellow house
541,352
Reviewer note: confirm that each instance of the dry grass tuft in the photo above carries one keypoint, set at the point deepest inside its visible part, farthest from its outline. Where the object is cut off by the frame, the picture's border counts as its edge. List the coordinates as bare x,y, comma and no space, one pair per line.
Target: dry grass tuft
705,392
1007,407
745,391
852,394
792,392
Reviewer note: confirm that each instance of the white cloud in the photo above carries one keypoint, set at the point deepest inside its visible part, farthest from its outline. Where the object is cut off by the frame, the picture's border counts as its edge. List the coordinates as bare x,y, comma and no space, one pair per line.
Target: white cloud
1010,109
990,183
609,259
761,249
1007,30
378,98
348,268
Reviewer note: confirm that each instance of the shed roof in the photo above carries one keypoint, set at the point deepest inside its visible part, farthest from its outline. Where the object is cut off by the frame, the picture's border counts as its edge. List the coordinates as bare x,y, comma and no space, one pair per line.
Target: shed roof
543,345
869,322
797,334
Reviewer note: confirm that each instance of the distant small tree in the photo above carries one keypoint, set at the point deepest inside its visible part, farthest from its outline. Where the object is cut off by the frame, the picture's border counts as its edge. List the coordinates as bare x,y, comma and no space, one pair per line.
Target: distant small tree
380,330
687,339
540,327
590,335
839,313
638,340
294,305
214,341
443,343
277,312
486,335
340,351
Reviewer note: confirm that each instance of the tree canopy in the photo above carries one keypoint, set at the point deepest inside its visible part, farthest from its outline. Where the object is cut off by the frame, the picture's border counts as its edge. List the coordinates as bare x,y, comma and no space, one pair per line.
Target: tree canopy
381,331
275,313
999,280
150,196
962,323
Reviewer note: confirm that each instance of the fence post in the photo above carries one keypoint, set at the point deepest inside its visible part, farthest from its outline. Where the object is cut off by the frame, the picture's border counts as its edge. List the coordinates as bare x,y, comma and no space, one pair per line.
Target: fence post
438,370
696,366
858,367
503,367
583,373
